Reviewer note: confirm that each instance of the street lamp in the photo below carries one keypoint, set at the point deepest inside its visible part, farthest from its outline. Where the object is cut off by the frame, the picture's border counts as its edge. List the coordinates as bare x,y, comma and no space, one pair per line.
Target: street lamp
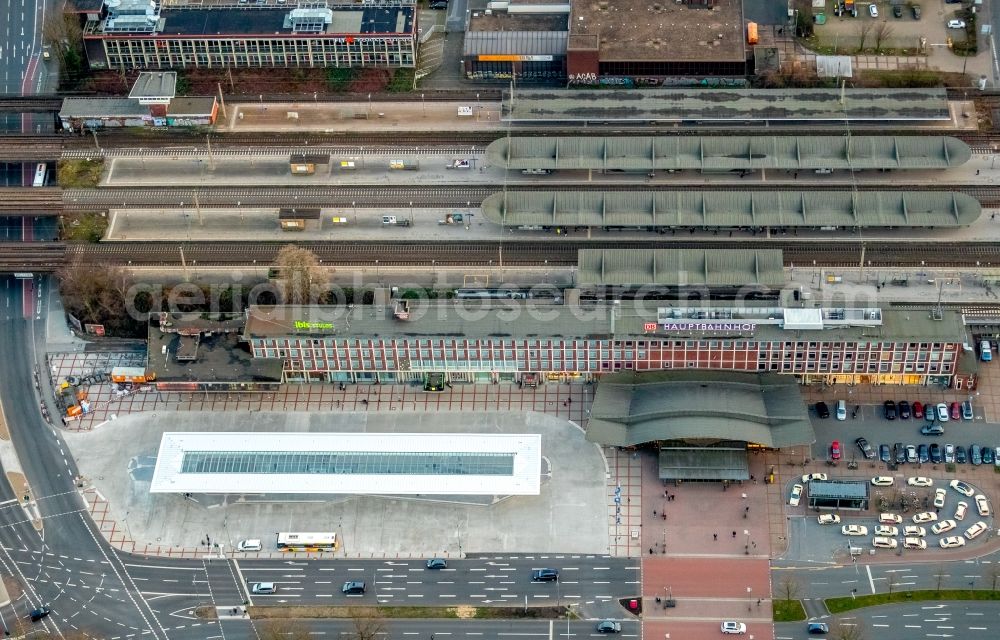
749,598
746,543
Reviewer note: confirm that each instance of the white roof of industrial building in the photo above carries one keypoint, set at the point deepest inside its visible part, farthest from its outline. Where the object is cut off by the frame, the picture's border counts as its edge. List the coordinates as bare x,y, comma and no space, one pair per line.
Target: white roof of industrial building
348,463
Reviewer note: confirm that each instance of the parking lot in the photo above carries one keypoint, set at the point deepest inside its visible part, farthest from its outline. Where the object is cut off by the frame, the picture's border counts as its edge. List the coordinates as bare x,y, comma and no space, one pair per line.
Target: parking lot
844,32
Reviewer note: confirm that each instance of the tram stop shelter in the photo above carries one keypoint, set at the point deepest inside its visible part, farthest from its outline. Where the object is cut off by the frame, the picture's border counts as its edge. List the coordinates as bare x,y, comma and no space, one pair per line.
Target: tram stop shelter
838,494
704,423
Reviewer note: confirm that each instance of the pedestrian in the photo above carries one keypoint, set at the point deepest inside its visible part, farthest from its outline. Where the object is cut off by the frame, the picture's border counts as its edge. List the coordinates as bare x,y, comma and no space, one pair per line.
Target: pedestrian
734,534
715,537
977,172
651,551
752,478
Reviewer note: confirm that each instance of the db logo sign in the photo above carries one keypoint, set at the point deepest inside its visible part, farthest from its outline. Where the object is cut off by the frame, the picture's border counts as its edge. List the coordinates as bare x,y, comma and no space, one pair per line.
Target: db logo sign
649,326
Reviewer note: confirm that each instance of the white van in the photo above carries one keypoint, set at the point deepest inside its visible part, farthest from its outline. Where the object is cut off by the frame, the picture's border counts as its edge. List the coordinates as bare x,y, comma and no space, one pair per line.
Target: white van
841,410
263,588
249,545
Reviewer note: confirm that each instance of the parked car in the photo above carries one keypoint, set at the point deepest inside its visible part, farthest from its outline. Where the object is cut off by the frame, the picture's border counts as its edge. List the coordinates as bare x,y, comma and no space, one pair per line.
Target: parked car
967,411
828,518
835,450
924,517
854,530
960,510
960,454
911,454
897,11
882,542
942,412
889,409
962,487
945,525
939,497
918,410
882,481
956,411
949,453
899,452
956,24
886,530
975,530
914,543
890,518
920,481
822,410
988,455
904,410
793,500
866,449
809,477
951,542
873,10
916,11
884,454
923,453
982,505
914,531
841,410
975,454
932,430
936,456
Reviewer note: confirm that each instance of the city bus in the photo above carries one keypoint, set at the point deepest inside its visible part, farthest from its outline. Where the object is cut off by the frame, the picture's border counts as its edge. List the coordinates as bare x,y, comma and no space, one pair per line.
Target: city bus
307,541
41,173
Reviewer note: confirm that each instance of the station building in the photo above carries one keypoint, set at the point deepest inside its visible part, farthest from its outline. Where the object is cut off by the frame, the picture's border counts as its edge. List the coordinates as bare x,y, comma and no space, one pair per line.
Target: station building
526,341
146,34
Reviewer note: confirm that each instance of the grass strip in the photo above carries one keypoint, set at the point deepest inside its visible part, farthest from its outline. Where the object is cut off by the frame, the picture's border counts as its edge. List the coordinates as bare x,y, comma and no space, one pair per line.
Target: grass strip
839,605
788,611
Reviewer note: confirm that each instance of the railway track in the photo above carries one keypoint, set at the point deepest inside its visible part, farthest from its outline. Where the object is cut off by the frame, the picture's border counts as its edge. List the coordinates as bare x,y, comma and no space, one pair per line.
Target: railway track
31,200
420,195
518,253
33,257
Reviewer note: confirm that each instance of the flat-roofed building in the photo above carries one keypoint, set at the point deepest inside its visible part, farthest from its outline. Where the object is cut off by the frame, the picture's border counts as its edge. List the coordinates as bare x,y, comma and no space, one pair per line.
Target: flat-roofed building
513,340
144,34
525,42
349,463
638,43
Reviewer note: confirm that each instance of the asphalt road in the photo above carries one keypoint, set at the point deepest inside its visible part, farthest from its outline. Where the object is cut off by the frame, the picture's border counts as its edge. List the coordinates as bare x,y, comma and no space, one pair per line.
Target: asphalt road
477,629
932,620
20,50
593,582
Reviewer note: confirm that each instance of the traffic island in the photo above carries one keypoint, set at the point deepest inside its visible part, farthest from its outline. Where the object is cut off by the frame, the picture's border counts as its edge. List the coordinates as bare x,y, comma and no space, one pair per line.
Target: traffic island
456,613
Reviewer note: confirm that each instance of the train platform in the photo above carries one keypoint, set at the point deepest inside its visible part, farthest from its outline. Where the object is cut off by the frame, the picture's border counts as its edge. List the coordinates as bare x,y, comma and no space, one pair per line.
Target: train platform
453,223
371,167
471,115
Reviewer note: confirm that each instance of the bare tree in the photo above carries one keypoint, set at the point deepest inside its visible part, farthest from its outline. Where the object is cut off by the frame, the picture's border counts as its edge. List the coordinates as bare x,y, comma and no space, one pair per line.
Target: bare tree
788,588
368,625
993,574
882,32
98,294
299,275
283,630
893,583
939,577
864,30
843,631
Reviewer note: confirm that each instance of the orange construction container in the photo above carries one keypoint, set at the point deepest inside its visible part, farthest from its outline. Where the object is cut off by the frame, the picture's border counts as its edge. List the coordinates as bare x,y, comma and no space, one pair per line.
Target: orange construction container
752,33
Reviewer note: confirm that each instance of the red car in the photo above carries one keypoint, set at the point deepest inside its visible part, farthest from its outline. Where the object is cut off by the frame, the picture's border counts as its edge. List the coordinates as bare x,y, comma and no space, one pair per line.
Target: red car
956,411
835,450
918,410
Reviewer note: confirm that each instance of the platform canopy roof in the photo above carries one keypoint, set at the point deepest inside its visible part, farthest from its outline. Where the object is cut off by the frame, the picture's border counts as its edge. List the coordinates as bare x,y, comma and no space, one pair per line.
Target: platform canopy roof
680,267
736,106
690,208
728,153
635,408
348,463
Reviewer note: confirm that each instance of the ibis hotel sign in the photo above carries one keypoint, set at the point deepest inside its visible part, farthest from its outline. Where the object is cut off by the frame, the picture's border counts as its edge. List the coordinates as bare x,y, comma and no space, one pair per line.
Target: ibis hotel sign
302,325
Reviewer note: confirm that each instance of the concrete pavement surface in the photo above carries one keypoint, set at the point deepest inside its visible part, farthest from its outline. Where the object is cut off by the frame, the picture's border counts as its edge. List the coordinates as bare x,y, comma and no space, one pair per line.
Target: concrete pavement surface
570,516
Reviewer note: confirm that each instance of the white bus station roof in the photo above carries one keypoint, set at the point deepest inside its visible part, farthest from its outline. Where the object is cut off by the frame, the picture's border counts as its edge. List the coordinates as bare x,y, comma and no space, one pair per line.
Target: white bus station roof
348,463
